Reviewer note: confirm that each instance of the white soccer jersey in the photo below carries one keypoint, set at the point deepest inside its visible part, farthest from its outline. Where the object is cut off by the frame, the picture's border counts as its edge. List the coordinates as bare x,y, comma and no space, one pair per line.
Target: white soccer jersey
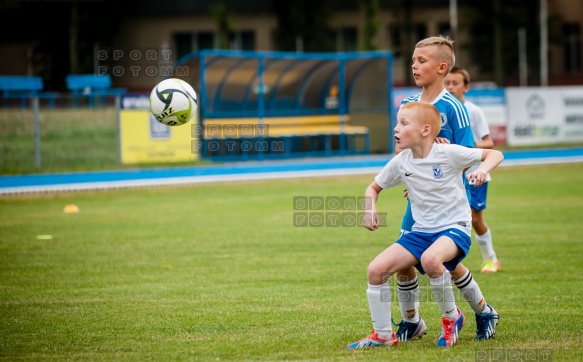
478,122
436,190
479,126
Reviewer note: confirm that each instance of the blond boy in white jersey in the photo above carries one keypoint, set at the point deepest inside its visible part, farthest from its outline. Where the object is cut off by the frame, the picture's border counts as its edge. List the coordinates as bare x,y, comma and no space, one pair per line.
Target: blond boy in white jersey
433,58
440,238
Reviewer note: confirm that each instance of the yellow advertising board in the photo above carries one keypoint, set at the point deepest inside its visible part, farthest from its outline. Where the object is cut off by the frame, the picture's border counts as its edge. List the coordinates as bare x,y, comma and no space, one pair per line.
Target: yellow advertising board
145,140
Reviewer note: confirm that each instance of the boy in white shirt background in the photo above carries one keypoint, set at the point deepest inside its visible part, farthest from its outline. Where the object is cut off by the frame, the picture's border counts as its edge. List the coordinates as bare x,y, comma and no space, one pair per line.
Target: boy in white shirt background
457,82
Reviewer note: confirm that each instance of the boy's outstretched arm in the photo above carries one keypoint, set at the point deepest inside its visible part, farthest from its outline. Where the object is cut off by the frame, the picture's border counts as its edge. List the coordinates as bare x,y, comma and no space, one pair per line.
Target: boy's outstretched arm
371,218
490,160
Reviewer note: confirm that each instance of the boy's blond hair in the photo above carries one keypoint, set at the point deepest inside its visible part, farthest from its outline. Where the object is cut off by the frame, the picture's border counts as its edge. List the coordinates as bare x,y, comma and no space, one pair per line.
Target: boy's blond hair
445,52
425,113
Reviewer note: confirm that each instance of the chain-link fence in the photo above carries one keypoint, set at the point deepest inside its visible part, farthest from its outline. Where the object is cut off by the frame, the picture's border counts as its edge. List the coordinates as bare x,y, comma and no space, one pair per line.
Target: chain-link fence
60,134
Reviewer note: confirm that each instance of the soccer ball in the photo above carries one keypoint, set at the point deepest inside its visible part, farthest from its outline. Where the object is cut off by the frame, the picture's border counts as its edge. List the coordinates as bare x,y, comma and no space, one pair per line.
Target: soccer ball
173,102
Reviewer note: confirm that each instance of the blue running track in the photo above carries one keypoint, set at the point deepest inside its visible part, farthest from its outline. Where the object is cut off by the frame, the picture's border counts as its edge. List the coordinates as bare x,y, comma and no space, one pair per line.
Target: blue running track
334,166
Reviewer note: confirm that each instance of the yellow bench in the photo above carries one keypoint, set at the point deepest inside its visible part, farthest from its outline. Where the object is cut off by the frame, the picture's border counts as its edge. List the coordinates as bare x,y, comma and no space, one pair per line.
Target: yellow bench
309,135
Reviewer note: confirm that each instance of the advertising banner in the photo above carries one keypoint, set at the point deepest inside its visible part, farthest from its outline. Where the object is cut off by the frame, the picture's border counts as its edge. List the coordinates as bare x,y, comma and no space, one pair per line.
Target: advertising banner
544,115
145,140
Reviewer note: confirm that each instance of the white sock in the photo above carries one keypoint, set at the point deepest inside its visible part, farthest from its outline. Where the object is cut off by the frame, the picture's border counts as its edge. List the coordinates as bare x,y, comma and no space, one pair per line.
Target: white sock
379,302
408,295
443,293
486,247
471,293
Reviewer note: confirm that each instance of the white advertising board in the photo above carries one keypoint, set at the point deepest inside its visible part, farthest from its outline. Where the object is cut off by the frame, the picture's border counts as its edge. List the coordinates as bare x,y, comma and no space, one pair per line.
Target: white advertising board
544,115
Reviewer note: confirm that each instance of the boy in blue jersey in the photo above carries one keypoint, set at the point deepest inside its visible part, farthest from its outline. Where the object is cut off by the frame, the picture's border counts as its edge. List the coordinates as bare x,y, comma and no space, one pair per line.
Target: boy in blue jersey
433,58
441,236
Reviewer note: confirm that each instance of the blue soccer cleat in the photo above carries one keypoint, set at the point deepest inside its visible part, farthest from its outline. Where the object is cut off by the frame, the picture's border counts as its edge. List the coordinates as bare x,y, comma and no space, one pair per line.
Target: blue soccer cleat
374,341
451,329
407,330
486,324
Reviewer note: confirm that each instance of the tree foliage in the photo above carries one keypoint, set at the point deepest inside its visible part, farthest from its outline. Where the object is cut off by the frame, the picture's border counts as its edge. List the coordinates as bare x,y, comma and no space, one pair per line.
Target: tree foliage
224,22
370,10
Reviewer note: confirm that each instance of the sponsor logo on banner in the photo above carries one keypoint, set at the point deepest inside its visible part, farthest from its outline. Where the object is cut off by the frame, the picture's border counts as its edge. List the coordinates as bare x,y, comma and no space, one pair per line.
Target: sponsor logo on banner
135,101
158,131
574,115
535,107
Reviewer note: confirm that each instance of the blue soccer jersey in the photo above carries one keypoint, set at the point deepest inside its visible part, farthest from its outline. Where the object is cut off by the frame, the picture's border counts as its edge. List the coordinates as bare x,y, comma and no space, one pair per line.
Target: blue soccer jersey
455,121
455,126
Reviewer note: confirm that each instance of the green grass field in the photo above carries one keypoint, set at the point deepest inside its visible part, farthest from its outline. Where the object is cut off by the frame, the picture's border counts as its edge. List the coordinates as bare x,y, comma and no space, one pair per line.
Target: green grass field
219,272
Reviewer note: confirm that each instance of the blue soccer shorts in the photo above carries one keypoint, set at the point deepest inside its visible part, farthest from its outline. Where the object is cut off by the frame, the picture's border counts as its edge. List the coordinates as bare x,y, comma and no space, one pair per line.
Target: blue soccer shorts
417,243
479,193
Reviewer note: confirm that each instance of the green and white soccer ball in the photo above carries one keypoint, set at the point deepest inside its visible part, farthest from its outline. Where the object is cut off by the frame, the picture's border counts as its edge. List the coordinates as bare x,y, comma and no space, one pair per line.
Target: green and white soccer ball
173,102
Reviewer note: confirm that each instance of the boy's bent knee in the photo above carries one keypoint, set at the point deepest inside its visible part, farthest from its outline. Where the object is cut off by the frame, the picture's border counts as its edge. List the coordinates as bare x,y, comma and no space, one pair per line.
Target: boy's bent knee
377,274
431,263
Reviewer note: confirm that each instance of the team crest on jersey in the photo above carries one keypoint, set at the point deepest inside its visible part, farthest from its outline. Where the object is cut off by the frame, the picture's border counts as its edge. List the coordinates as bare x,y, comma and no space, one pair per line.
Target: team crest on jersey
443,119
437,174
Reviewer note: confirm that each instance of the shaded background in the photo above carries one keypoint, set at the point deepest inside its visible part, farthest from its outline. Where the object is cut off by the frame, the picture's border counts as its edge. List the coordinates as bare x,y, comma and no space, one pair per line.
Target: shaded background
53,39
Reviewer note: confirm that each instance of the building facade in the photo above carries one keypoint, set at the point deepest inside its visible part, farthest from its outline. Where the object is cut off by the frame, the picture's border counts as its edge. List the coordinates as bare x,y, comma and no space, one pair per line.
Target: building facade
154,35
254,29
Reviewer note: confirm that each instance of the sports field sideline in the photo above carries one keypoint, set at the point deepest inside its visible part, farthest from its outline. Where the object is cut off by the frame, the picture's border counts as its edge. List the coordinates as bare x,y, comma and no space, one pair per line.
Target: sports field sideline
335,166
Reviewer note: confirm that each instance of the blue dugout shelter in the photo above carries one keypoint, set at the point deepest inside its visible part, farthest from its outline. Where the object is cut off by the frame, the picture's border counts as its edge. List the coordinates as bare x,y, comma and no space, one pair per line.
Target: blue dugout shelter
261,105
